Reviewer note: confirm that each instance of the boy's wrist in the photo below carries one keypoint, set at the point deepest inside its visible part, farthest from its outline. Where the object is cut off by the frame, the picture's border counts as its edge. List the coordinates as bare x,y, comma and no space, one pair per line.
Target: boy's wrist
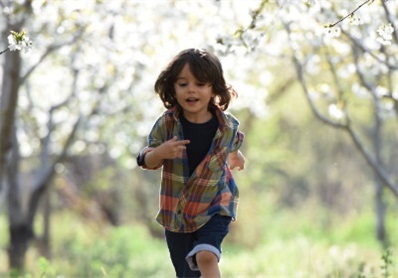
152,158
141,158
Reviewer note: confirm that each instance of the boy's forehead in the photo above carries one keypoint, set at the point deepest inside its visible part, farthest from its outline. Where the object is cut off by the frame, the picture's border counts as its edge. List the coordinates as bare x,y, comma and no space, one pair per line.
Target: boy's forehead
187,73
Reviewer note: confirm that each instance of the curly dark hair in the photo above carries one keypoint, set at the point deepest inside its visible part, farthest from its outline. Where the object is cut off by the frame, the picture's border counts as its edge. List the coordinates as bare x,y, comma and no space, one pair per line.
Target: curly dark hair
206,68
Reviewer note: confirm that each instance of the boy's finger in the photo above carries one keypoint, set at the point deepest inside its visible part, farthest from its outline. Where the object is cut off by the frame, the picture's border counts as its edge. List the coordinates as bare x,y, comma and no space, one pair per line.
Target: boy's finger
184,142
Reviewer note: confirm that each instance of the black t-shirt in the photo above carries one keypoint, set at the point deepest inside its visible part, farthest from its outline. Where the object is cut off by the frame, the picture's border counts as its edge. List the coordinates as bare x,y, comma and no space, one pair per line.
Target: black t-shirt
200,136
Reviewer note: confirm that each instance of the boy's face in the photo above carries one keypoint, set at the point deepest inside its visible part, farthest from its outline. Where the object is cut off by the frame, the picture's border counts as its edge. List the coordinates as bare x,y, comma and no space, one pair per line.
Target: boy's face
193,96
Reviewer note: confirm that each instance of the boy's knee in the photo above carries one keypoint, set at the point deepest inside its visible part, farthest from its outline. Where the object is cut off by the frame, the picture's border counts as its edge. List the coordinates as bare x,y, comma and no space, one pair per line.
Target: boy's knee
206,258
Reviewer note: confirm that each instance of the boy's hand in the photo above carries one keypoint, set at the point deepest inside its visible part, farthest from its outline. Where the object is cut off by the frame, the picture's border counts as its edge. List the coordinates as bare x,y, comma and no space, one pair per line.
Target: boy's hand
236,159
171,149
168,150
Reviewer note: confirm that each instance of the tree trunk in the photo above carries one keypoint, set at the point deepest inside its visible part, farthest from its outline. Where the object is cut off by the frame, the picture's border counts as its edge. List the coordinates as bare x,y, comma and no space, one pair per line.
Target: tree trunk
8,104
44,242
380,227
20,229
380,205
20,235
20,232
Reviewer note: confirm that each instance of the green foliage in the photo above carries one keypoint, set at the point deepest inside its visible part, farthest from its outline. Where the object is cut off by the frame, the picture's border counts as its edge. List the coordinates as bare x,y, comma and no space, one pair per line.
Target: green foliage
278,243
387,263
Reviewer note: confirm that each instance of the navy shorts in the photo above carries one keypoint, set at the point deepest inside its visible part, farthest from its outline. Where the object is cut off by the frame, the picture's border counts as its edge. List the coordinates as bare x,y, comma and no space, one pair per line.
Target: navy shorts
183,247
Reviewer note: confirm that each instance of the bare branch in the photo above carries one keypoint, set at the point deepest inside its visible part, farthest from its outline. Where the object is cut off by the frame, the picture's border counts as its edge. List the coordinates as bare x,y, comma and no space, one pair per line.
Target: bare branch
347,127
49,50
4,51
336,79
357,43
373,162
351,13
44,180
361,75
255,16
300,75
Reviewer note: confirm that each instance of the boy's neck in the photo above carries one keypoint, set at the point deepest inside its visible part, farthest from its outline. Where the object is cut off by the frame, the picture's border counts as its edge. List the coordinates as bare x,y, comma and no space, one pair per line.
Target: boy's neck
198,118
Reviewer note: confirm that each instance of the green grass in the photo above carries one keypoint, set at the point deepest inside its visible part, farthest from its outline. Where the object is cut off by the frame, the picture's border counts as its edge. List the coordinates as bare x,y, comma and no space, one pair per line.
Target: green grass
281,245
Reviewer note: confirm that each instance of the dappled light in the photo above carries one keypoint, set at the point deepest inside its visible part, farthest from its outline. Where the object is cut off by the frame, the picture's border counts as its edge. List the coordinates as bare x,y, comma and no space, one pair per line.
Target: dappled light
317,86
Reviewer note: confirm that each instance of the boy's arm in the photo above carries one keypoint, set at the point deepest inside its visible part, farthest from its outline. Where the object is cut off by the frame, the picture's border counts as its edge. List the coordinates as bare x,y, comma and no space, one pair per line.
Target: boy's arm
153,157
236,159
141,159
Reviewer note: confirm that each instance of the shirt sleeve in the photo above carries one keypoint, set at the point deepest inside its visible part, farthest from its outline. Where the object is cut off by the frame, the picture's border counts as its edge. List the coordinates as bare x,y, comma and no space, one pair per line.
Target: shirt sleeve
158,133
156,137
237,135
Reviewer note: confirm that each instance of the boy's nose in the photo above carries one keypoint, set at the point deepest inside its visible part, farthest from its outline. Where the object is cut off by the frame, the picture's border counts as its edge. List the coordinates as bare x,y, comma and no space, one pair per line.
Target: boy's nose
191,88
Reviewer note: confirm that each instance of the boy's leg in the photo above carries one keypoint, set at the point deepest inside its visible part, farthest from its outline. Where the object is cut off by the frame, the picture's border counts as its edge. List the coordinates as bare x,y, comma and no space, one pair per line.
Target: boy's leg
208,264
206,253
179,245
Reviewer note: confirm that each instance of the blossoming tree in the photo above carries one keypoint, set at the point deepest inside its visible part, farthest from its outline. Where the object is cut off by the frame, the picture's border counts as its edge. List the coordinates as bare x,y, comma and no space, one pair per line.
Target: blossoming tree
342,67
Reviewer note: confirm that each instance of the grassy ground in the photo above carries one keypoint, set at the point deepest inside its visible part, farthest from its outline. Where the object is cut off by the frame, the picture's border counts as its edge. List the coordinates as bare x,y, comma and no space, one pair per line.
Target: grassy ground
265,242
87,250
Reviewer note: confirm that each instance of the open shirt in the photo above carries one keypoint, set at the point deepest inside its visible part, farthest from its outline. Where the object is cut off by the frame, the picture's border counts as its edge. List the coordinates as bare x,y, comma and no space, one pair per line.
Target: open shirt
187,202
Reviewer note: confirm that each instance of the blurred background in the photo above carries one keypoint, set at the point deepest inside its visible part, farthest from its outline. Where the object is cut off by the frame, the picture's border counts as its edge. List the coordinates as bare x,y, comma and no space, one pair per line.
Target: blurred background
318,103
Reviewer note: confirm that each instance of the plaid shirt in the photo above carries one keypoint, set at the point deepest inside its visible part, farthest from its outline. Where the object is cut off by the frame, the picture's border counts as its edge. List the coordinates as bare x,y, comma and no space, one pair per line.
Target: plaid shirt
188,202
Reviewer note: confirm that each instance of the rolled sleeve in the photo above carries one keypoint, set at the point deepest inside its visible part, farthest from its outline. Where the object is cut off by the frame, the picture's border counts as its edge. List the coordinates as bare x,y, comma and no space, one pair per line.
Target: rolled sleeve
145,151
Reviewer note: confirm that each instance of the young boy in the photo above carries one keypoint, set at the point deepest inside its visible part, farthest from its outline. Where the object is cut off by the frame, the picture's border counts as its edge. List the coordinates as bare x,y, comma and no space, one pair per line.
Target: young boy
197,144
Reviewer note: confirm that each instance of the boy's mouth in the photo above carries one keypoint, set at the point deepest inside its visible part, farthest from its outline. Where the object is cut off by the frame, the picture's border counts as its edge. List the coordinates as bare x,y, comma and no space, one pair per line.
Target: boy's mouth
192,100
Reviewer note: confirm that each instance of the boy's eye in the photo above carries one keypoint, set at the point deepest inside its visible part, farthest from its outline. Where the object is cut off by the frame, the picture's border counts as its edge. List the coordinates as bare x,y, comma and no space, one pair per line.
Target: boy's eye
182,84
201,84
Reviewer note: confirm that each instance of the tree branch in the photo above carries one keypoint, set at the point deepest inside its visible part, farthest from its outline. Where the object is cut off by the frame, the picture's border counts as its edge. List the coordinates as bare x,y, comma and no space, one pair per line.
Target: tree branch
300,74
49,50
44,180
391,20
255,15
351,13
357,43
373,162
347,127
4,51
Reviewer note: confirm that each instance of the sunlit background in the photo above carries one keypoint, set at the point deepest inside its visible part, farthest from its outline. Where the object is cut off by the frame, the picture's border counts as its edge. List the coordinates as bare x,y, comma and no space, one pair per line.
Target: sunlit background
318,103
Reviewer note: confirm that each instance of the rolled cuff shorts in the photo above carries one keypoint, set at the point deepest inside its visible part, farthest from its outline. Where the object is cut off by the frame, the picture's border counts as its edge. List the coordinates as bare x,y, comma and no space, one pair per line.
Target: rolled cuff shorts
183,247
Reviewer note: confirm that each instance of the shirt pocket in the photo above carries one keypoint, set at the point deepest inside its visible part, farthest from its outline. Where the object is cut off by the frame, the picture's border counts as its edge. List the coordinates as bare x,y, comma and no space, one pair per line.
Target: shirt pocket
218,159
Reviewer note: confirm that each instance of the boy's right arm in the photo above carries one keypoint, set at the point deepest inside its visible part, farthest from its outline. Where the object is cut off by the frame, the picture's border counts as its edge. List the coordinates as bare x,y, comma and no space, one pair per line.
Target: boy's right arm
168,150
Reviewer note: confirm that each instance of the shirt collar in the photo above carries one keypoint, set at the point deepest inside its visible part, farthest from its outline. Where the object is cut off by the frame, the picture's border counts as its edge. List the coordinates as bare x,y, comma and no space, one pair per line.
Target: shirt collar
222,119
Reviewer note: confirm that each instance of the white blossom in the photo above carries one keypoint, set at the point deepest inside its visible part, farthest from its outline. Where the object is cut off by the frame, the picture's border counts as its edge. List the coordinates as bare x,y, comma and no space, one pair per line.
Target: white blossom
19,41
332,32
335,111
355,20
385,34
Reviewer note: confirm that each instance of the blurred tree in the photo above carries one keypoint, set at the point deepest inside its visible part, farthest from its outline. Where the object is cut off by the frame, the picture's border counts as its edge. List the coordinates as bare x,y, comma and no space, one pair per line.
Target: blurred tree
347,70
21,215
86,93
42,119
8,150
83,92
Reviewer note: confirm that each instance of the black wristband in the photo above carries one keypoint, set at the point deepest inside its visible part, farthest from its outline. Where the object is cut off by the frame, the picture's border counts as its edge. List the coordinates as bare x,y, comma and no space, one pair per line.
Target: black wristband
141,159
